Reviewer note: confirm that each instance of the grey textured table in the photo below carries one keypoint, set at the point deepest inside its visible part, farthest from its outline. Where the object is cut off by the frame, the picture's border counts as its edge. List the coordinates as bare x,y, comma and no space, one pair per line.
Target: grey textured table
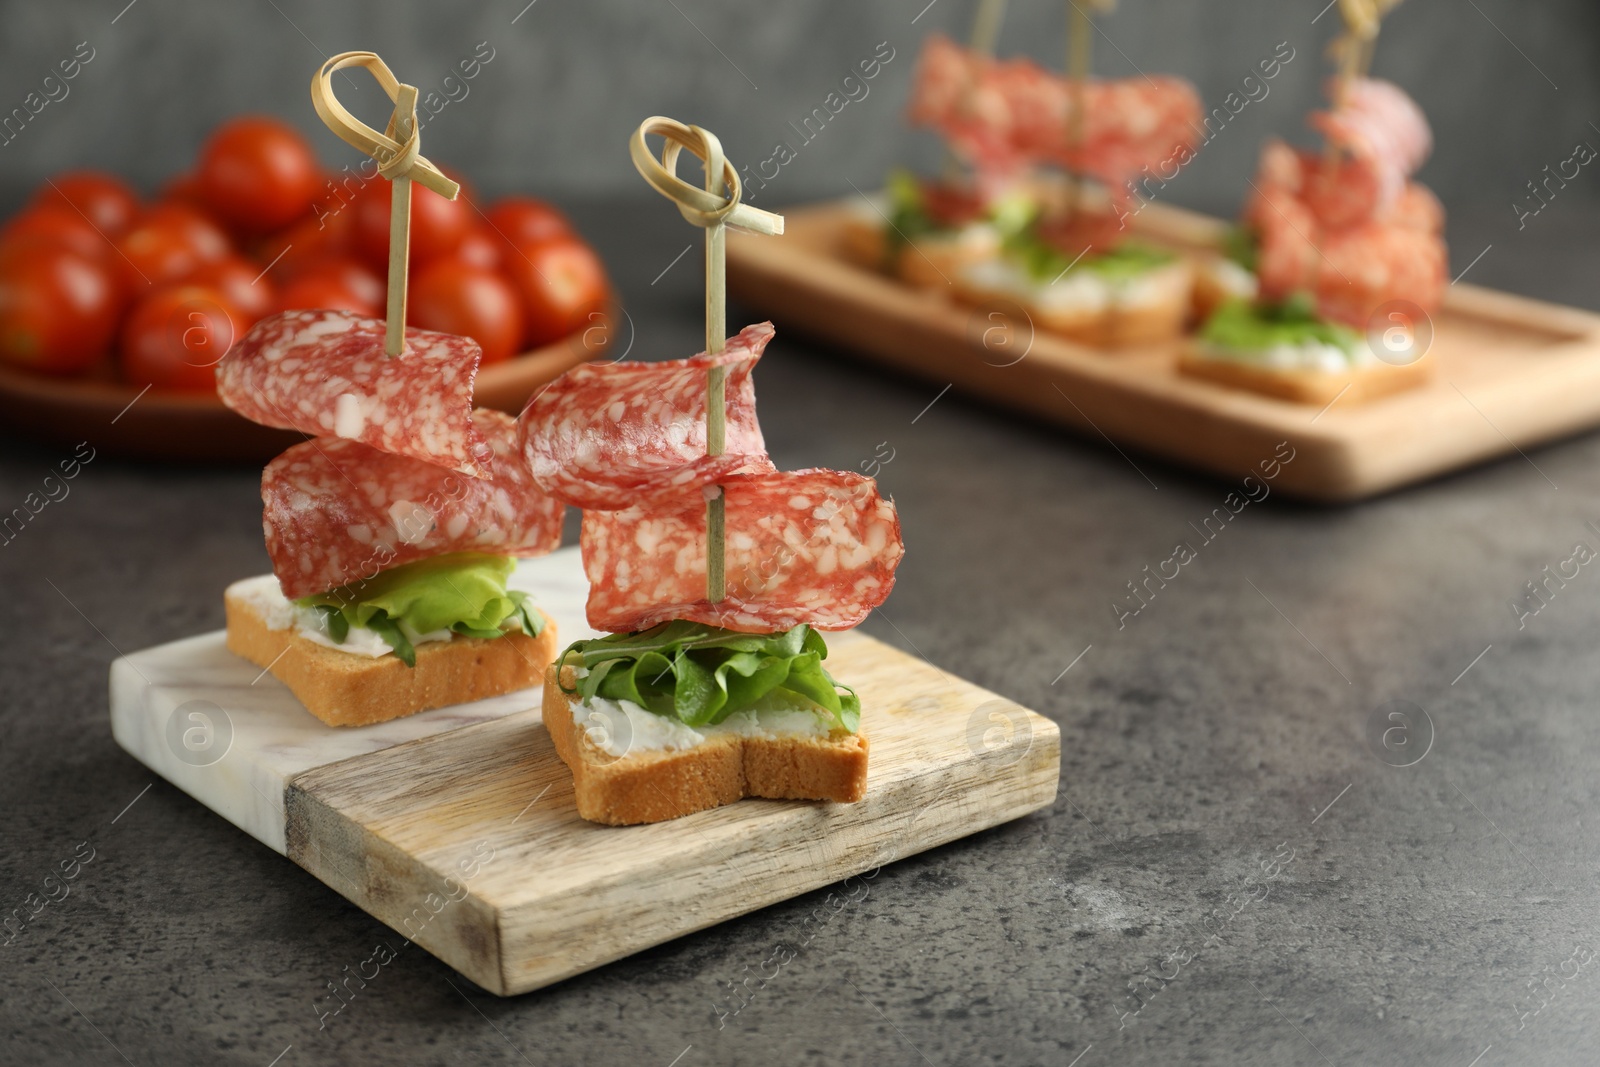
1396,914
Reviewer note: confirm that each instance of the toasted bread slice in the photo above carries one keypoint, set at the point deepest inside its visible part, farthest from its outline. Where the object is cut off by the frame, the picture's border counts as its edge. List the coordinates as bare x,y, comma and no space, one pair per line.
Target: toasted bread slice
345,689
1305,386
932,261
658,784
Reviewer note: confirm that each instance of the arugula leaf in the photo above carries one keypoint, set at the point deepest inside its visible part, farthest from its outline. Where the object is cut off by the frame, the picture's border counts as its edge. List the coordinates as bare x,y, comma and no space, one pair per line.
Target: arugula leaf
386,628
701,674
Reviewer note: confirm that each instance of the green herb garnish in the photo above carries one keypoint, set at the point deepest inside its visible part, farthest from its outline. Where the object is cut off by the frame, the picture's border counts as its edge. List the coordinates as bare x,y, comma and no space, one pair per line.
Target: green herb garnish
700,674
1243,328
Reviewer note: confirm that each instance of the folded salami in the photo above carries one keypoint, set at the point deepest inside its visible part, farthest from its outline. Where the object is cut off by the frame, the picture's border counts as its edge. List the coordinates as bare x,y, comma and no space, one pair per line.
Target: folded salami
1386,135
339,511
325,373
610,436
810,546
1004,114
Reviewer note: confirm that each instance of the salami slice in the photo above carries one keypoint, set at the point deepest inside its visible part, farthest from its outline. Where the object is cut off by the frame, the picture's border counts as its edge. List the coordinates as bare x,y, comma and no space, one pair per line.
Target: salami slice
324,373
1003,114
1323,228
338,511
810,546
1386,136
610,436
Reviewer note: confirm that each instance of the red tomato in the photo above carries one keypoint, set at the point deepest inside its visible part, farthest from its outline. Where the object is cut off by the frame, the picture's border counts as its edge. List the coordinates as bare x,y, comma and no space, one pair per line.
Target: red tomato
522,220
248,288
58,310
453,296
104,200
58,224
480,247
338,283
191,221
169,243
258,174
561,282
176,336
437,225
307,244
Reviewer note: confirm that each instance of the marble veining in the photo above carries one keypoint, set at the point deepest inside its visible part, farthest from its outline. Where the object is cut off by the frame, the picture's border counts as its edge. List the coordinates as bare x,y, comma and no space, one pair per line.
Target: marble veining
232,736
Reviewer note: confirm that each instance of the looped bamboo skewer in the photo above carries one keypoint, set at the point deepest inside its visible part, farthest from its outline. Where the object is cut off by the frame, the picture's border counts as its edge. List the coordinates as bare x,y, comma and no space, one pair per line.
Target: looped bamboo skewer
713,211
397,151
1353,49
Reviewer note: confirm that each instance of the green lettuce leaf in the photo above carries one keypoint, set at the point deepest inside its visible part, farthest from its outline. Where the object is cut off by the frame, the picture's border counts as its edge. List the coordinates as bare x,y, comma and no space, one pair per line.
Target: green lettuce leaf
1243,328
464,592
700,674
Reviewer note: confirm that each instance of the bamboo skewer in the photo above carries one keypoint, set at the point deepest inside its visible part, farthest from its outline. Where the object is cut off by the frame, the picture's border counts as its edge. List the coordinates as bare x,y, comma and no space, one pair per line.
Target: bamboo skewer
985,36
1079,62
397,153
401,126
713,210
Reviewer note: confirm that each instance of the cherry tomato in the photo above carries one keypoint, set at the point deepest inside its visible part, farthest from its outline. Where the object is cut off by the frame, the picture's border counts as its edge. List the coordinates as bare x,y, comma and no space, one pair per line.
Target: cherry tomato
308,243
249,290
169,243
198,228
58,309
343,284
437,225
58,224
453,296
522,220
105,200
175,337
258,174
561,282
481,247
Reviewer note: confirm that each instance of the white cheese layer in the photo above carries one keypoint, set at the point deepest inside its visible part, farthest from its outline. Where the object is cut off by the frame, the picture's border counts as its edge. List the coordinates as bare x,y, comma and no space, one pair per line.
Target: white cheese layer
1230,278
1080,290
265,595
1309,355
618,727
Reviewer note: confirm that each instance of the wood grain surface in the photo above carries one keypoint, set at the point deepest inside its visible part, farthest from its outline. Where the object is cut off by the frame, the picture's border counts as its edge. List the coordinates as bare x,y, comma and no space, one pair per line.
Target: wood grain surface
468,842
1511,372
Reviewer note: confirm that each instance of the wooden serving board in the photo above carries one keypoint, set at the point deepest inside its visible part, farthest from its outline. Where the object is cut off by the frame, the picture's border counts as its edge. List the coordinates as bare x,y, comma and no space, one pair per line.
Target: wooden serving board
457,827
1510,372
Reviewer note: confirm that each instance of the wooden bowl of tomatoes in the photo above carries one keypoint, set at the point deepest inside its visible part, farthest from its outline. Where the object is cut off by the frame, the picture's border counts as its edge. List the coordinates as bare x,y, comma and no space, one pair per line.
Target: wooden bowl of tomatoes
114,311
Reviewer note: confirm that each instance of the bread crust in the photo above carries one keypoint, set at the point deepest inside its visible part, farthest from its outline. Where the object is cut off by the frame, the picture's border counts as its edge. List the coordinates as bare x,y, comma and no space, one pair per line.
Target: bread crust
343,689
1307,386
645,787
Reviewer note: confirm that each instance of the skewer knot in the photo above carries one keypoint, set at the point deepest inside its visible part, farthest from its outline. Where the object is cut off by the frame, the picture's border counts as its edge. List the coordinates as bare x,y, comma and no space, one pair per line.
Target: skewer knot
706,207
396,157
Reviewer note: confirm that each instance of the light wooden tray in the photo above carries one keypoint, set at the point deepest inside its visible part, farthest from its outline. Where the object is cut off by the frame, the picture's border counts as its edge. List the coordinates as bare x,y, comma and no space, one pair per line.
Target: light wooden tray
1510,372
476,794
